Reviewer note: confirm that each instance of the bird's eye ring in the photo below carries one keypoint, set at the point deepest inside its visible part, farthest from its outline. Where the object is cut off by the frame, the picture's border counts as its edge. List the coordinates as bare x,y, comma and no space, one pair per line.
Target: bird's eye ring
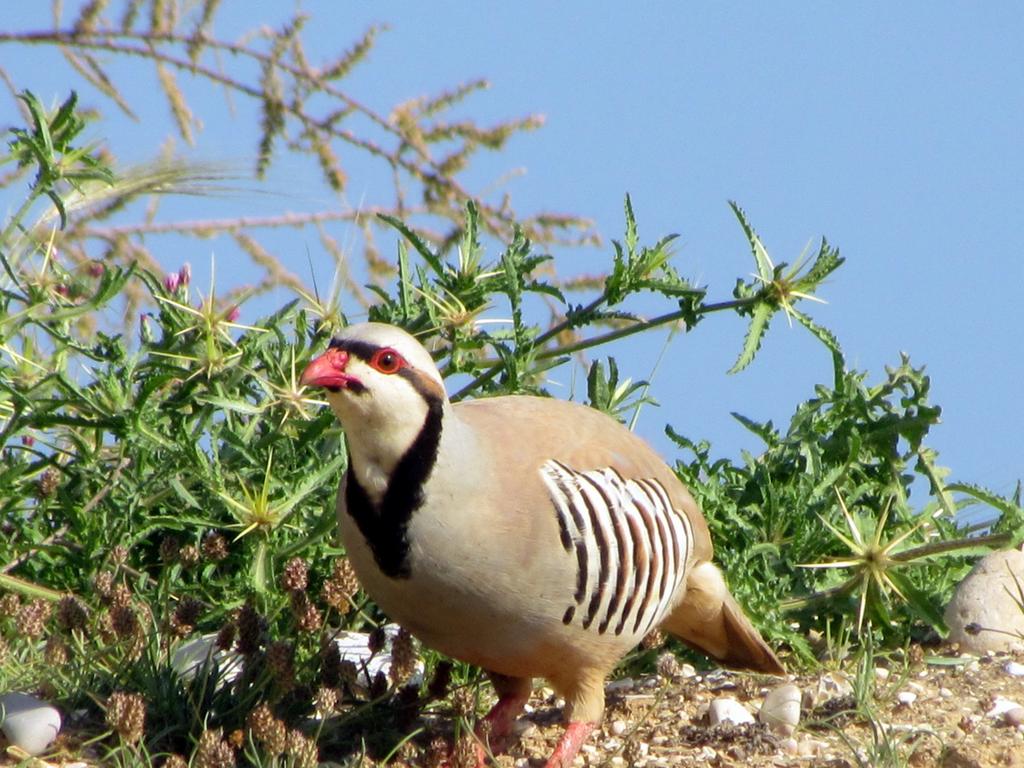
387,361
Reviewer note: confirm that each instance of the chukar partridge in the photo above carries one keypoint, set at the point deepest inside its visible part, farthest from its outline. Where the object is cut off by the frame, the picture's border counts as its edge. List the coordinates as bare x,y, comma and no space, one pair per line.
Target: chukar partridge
529,536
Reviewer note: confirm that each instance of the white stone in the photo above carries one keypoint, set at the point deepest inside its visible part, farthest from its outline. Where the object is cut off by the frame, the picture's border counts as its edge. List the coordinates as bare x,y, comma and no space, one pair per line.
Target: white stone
355,647
617,727
881,674
906,698
781,708
726,708
1014,668
945,693
1001,706
989,598
810,748
28,722
1014,717
189,657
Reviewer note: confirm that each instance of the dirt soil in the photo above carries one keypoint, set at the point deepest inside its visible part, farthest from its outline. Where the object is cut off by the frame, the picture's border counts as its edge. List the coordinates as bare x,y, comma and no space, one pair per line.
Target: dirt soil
924,714
945,722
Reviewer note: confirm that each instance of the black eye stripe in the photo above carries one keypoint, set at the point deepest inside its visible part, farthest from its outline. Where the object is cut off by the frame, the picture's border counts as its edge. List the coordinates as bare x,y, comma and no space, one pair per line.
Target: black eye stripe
363,350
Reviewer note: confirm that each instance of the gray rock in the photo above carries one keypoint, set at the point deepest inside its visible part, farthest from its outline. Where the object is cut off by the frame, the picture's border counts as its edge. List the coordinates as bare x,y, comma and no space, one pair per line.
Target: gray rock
28,722
989,599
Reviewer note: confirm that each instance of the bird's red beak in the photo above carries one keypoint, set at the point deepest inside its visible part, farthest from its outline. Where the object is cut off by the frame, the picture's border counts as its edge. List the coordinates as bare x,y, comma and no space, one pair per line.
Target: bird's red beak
328,371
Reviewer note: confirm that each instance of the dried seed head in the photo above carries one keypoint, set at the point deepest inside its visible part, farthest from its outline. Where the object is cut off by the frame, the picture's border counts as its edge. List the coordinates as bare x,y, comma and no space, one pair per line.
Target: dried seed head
169,548
175,761
295,575
185,616
403,657
377,641
302,750
215,546
56,651
9,605
268,730
438,687
124,621
250,630
379,685
119,555
330,665
653,639
31,618
126,714
48,482
436,754
464,753
340,588
121,596
225,636
463,703
104,584
325,700
349,672
213,751
307,616
188,555
668,666
71,614
281,660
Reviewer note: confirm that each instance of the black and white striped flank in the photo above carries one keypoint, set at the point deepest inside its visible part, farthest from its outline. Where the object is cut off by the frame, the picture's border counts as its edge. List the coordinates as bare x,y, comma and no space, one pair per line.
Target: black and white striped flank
630,544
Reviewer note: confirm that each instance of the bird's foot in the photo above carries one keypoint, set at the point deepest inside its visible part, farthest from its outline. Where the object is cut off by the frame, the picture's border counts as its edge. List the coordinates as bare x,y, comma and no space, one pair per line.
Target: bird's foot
496,731
569,745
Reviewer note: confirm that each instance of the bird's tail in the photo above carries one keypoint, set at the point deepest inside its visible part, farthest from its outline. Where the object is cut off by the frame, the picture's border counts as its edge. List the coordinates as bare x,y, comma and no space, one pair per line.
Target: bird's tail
710,620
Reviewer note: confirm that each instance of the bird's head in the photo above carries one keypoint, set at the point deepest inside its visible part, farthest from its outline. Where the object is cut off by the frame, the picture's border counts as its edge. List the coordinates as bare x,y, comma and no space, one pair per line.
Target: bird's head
381,383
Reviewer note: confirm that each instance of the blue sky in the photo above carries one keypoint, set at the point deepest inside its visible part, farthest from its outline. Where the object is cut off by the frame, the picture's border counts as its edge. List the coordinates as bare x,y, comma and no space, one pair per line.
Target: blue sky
892,129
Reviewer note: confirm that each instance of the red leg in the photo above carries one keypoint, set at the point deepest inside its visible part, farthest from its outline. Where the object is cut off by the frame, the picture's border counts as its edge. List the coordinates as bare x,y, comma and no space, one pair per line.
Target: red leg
495,731
569,745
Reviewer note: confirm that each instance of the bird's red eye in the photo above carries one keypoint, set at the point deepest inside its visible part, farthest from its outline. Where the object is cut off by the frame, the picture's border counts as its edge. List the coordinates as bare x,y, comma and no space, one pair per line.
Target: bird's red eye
387,361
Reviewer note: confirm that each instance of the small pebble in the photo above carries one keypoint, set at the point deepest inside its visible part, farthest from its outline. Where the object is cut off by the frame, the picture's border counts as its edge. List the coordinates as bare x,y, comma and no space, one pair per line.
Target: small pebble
881,674
1001,706
809,748
945,693
617,727
790,746
726,708
1014,717
906,698
1015,668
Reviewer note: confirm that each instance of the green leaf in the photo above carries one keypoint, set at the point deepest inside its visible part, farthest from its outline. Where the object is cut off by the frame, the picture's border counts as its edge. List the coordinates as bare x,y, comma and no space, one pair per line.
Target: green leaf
763,264
823,335
918,601
759,320
417,242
